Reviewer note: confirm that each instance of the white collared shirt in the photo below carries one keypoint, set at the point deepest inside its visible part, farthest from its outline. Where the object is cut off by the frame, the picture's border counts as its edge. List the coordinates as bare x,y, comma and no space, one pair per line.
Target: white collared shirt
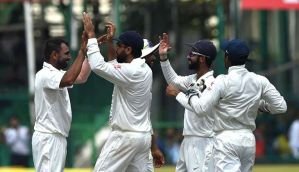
131,98
52,104
235,99
193,125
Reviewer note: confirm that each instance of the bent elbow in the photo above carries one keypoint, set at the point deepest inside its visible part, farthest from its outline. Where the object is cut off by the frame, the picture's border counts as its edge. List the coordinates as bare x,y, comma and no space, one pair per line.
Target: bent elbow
66,83
93,67
282,108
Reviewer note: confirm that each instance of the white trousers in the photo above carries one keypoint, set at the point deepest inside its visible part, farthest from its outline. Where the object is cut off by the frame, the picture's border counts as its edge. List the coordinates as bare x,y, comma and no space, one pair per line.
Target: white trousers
196,154
150,163
124,152
49,152
234,151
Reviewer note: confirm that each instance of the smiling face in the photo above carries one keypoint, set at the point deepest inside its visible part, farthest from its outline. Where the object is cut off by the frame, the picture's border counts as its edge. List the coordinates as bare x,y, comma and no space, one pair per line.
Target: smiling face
193,61
63,56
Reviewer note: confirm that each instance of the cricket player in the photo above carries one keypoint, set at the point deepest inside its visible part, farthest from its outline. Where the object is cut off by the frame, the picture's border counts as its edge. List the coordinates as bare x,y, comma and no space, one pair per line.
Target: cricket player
235,99
197,146
128,145
52,103
156,158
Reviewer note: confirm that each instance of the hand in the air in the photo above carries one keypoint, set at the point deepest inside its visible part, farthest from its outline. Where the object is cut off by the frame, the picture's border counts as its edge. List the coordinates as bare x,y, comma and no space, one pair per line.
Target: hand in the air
164,45
109,33
88,26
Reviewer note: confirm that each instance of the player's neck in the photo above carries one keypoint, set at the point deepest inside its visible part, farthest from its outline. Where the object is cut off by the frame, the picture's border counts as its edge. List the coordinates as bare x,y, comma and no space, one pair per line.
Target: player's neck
202,71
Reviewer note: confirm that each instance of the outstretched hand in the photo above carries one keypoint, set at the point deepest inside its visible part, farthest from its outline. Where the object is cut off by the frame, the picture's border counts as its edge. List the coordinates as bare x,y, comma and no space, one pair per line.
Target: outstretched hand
88,26
164,45
109,34
110,30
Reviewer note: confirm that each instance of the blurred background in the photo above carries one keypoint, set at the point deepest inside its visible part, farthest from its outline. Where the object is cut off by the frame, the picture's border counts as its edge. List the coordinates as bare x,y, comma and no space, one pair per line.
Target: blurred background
270,27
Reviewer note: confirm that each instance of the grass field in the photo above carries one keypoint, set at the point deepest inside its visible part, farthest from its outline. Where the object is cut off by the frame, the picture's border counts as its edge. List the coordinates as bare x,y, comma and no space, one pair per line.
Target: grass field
257,168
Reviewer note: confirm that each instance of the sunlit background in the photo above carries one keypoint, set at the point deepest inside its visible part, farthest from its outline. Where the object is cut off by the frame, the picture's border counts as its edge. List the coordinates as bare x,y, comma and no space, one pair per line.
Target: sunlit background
269,27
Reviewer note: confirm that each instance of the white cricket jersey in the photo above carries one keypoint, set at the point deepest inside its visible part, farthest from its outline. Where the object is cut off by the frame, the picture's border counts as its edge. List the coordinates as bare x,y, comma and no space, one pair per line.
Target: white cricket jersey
52,104
235,99
193,125
131,98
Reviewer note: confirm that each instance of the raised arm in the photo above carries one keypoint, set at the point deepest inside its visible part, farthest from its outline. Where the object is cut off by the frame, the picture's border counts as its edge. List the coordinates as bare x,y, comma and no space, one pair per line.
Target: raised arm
73,72
116,73
108,38
85,70
170,75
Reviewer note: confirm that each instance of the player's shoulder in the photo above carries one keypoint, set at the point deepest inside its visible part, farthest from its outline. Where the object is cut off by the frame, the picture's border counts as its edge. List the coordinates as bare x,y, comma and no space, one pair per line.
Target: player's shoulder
220,77
259,77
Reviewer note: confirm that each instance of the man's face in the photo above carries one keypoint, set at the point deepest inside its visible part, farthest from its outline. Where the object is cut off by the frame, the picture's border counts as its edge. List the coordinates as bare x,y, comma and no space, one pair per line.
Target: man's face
121,53
150,59
64,56
193,61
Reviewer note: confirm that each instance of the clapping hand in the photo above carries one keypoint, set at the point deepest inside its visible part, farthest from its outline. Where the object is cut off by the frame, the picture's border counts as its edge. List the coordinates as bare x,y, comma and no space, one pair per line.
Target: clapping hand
88,26
164,46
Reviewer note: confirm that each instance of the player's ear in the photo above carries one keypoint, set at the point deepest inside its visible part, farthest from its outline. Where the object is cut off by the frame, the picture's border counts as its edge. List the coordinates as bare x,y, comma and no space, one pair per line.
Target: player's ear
202,59
129,50
54,55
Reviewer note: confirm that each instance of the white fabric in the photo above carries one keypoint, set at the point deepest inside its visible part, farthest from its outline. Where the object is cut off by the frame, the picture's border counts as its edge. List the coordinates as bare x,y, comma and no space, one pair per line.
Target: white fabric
124,152
52,104
131,98
147,49
150,163
49,152
235,99
18,140
197,146
234,151
194,125
294,138
196,154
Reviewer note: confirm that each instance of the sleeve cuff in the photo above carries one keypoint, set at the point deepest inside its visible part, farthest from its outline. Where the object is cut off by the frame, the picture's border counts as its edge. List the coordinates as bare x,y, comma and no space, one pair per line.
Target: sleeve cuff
92,46
164,63
180,96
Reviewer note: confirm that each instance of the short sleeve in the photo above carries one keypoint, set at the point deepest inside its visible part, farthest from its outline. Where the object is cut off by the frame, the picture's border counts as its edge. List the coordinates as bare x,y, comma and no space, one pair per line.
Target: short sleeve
52,79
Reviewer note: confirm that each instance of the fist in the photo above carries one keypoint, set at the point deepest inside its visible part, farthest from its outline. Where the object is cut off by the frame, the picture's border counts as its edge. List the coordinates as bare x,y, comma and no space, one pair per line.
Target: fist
172,91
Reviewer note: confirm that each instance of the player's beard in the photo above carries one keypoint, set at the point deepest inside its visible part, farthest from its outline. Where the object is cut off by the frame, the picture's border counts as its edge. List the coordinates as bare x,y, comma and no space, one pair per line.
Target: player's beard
194,64
62,63
121,57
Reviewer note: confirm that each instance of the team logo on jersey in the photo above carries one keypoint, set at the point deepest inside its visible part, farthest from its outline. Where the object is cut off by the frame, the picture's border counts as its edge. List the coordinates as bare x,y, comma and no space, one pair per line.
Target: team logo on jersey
210,87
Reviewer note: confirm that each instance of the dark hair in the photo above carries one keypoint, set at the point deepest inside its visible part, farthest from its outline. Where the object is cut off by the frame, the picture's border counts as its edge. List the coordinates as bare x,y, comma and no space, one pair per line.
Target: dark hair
51,45
237,62
209,61
132,39
136,53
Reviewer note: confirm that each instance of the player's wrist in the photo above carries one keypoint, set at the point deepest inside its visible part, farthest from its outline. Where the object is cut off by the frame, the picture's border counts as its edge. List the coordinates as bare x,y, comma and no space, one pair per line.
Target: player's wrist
163,57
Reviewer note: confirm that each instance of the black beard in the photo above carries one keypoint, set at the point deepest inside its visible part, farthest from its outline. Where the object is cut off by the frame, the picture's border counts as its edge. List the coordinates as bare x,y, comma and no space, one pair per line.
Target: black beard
62,64
193,66
121,58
